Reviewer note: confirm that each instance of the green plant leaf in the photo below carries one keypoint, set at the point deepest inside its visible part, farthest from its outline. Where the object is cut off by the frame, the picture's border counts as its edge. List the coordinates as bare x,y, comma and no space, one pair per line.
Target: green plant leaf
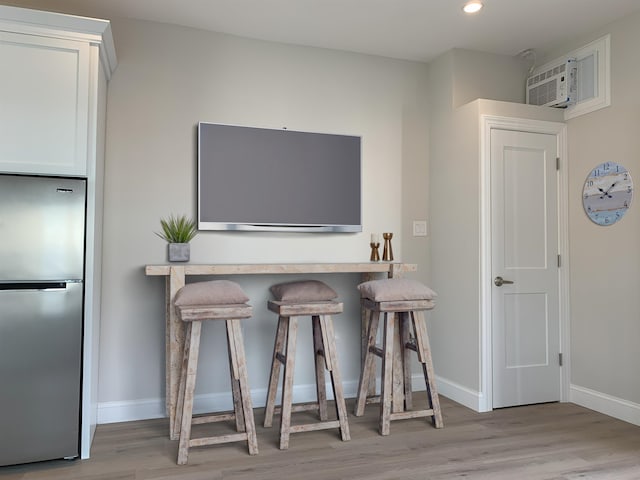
177,229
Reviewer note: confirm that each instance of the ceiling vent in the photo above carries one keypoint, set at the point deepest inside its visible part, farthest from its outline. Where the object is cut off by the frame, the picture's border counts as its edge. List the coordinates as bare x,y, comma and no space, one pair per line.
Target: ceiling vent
555,87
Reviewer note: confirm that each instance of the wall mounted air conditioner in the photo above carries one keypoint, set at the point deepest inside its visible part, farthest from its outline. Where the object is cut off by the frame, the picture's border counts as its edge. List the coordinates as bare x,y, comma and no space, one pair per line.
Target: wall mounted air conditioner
554,87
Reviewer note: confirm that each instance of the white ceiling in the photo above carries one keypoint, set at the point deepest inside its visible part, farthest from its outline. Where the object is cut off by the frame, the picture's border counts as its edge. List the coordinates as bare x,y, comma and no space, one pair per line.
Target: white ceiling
406,29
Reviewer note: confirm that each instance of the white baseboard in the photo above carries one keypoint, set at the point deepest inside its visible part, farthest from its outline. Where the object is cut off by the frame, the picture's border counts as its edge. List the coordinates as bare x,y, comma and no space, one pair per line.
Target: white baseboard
130,410
127,411
459,393
607,404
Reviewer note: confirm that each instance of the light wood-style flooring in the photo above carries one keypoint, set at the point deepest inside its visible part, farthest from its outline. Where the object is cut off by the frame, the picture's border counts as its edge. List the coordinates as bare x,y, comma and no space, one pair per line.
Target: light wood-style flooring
550,441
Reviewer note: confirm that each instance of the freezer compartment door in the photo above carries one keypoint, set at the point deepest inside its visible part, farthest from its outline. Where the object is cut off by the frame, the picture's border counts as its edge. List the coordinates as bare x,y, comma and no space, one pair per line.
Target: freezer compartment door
42,226
40,373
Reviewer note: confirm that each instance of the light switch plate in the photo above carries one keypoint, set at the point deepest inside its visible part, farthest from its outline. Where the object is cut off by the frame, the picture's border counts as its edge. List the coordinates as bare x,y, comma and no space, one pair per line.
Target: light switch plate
419,228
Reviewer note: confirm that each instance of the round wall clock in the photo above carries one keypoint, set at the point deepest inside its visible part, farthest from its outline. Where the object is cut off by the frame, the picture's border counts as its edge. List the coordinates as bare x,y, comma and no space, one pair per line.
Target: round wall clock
607,193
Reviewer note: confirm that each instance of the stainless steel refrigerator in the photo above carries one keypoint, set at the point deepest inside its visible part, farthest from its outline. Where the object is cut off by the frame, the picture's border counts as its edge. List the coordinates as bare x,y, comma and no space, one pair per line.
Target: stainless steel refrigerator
42,232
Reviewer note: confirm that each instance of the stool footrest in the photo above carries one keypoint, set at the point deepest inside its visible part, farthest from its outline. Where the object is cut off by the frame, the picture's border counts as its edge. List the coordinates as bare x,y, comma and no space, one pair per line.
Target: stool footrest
376,351
309,427
298,407
411,346
213,418
412,414
233,437
373,399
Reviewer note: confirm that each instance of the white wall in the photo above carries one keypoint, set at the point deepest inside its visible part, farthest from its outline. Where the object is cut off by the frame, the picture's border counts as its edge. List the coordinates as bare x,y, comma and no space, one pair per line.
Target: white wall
605,261
454,336
414,181
168,79
454,187
486,75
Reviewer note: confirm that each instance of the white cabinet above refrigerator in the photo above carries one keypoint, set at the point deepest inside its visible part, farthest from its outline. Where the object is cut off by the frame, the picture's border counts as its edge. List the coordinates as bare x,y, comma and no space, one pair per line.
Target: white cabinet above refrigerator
48,104
44,91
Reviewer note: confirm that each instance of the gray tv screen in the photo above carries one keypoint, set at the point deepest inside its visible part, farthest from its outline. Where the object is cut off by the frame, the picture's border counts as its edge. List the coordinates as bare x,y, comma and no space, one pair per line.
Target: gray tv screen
277,180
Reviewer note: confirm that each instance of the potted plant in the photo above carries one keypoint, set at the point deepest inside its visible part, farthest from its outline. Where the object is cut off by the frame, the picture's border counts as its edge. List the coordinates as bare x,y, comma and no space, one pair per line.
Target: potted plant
178,231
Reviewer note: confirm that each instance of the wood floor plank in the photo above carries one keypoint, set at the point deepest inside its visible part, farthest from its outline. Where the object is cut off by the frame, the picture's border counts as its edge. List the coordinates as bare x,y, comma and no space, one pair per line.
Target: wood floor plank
557,441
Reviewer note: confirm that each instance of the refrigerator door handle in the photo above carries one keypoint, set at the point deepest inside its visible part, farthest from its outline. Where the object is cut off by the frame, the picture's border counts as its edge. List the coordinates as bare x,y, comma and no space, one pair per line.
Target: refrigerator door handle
33,285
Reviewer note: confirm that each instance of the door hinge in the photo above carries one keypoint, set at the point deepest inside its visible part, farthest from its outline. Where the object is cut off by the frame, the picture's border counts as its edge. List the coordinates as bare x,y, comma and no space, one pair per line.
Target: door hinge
560,359
557,163
559,262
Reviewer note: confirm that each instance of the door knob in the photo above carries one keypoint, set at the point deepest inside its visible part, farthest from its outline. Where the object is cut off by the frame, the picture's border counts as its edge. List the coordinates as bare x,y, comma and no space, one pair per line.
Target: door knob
499,281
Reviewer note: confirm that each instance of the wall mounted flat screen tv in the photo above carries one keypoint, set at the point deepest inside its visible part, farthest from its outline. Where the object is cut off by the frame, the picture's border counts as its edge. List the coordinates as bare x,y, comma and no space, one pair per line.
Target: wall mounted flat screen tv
277,180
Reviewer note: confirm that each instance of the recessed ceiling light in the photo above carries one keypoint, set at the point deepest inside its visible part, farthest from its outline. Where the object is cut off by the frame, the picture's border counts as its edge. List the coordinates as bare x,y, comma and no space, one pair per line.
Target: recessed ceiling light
472,7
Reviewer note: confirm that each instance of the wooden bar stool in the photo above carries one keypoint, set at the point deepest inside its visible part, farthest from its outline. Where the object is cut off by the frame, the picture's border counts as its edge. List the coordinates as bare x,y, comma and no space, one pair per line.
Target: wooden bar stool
403,303
220,300
315,299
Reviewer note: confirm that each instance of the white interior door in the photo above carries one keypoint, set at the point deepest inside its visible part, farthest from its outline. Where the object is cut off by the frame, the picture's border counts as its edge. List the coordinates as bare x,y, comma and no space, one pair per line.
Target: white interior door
525,288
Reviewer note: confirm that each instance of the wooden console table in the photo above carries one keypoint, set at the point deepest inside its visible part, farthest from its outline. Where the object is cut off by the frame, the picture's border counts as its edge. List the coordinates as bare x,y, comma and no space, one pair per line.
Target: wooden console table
175,279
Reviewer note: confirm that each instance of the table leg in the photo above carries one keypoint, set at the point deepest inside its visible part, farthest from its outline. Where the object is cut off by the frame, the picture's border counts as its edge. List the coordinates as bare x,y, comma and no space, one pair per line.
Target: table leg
364,338
174,344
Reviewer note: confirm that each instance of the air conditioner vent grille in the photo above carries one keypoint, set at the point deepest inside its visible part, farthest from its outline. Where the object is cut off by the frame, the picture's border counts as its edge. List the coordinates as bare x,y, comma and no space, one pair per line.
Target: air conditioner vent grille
548,74
555,87
543,93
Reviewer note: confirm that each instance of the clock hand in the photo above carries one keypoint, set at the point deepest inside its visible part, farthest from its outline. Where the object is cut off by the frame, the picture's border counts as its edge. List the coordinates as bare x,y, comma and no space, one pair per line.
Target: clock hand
607,191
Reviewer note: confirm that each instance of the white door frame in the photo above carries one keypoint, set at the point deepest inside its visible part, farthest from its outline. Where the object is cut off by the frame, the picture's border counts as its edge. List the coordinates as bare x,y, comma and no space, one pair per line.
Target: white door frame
487,123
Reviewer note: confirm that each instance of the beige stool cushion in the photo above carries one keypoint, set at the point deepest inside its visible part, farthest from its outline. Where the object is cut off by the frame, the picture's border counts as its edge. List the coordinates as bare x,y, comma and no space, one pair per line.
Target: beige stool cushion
215,292
394,289
303,291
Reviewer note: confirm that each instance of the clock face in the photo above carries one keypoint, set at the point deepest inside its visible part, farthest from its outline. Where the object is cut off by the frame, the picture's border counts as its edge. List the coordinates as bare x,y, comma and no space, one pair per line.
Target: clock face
607,193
